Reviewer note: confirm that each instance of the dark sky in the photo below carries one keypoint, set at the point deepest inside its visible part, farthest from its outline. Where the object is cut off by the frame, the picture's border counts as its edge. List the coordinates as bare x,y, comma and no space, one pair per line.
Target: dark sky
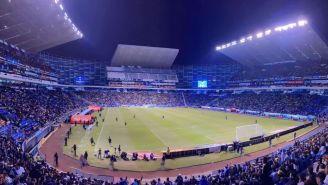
193,26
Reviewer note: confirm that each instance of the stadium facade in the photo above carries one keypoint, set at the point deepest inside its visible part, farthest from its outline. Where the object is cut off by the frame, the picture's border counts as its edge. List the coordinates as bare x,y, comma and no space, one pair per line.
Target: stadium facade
262,60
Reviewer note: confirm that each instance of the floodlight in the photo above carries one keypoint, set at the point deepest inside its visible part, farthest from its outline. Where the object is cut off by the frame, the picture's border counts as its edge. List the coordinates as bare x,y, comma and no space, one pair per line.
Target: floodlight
218,48
292,25
259,35
61,7
279,28
65,16
56,1
267,32
302,22
285,27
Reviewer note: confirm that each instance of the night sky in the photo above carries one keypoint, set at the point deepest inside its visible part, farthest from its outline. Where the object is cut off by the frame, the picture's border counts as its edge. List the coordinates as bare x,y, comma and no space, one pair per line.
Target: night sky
193,26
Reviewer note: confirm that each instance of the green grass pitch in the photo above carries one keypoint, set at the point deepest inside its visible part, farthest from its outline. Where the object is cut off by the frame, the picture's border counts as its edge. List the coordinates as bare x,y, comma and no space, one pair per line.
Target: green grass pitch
149,132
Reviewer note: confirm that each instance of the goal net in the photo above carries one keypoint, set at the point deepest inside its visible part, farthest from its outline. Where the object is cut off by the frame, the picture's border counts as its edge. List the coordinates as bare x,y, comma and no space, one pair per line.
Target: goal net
248,131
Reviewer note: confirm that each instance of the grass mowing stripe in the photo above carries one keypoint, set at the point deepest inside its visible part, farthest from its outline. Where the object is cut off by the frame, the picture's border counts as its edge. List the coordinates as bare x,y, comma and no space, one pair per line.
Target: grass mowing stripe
194,125
189,126
150,125
175,134
142,138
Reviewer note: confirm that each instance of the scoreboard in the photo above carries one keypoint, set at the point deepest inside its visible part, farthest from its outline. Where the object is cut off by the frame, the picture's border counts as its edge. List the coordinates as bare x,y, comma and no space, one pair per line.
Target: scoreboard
202,84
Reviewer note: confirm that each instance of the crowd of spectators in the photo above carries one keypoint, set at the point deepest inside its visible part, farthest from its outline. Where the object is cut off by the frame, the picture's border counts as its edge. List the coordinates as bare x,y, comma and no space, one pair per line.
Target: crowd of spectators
15,54
283,70
18,167
288,103
26,110
276,102
133,98
196,99
323,116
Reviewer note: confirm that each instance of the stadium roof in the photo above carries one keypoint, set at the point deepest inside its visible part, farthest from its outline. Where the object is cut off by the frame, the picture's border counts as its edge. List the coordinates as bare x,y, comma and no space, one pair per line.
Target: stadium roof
144,56
291,42
36,25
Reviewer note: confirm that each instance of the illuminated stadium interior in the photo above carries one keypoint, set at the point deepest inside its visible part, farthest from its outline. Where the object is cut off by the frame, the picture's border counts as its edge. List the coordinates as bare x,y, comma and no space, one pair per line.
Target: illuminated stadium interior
132,92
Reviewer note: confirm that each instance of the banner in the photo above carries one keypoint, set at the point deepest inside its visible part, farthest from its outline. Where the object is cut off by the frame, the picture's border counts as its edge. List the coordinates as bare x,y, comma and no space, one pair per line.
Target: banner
95,108
82,119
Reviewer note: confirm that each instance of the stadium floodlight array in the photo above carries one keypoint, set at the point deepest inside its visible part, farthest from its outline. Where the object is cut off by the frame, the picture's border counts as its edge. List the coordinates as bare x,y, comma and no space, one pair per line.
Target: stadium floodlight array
262,34
74,28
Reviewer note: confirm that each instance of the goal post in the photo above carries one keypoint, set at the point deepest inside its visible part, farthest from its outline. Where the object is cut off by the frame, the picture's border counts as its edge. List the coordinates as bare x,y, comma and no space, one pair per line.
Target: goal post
246,132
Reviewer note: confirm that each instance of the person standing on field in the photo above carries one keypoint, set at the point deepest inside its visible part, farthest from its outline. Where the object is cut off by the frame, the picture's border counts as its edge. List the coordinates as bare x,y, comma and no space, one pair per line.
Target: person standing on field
99,153
119,149
56,159
74,149
294,135
92,141
86,155
110,140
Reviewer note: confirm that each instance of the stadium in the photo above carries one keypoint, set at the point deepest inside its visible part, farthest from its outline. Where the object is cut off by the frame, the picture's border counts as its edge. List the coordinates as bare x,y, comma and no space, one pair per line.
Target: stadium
163,92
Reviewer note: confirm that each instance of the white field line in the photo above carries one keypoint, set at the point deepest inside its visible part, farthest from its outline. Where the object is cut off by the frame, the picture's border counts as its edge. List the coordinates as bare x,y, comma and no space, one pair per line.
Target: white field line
99,136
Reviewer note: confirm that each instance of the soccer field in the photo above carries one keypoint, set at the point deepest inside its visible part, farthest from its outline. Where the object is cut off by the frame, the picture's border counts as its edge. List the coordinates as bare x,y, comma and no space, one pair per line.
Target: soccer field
147,131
